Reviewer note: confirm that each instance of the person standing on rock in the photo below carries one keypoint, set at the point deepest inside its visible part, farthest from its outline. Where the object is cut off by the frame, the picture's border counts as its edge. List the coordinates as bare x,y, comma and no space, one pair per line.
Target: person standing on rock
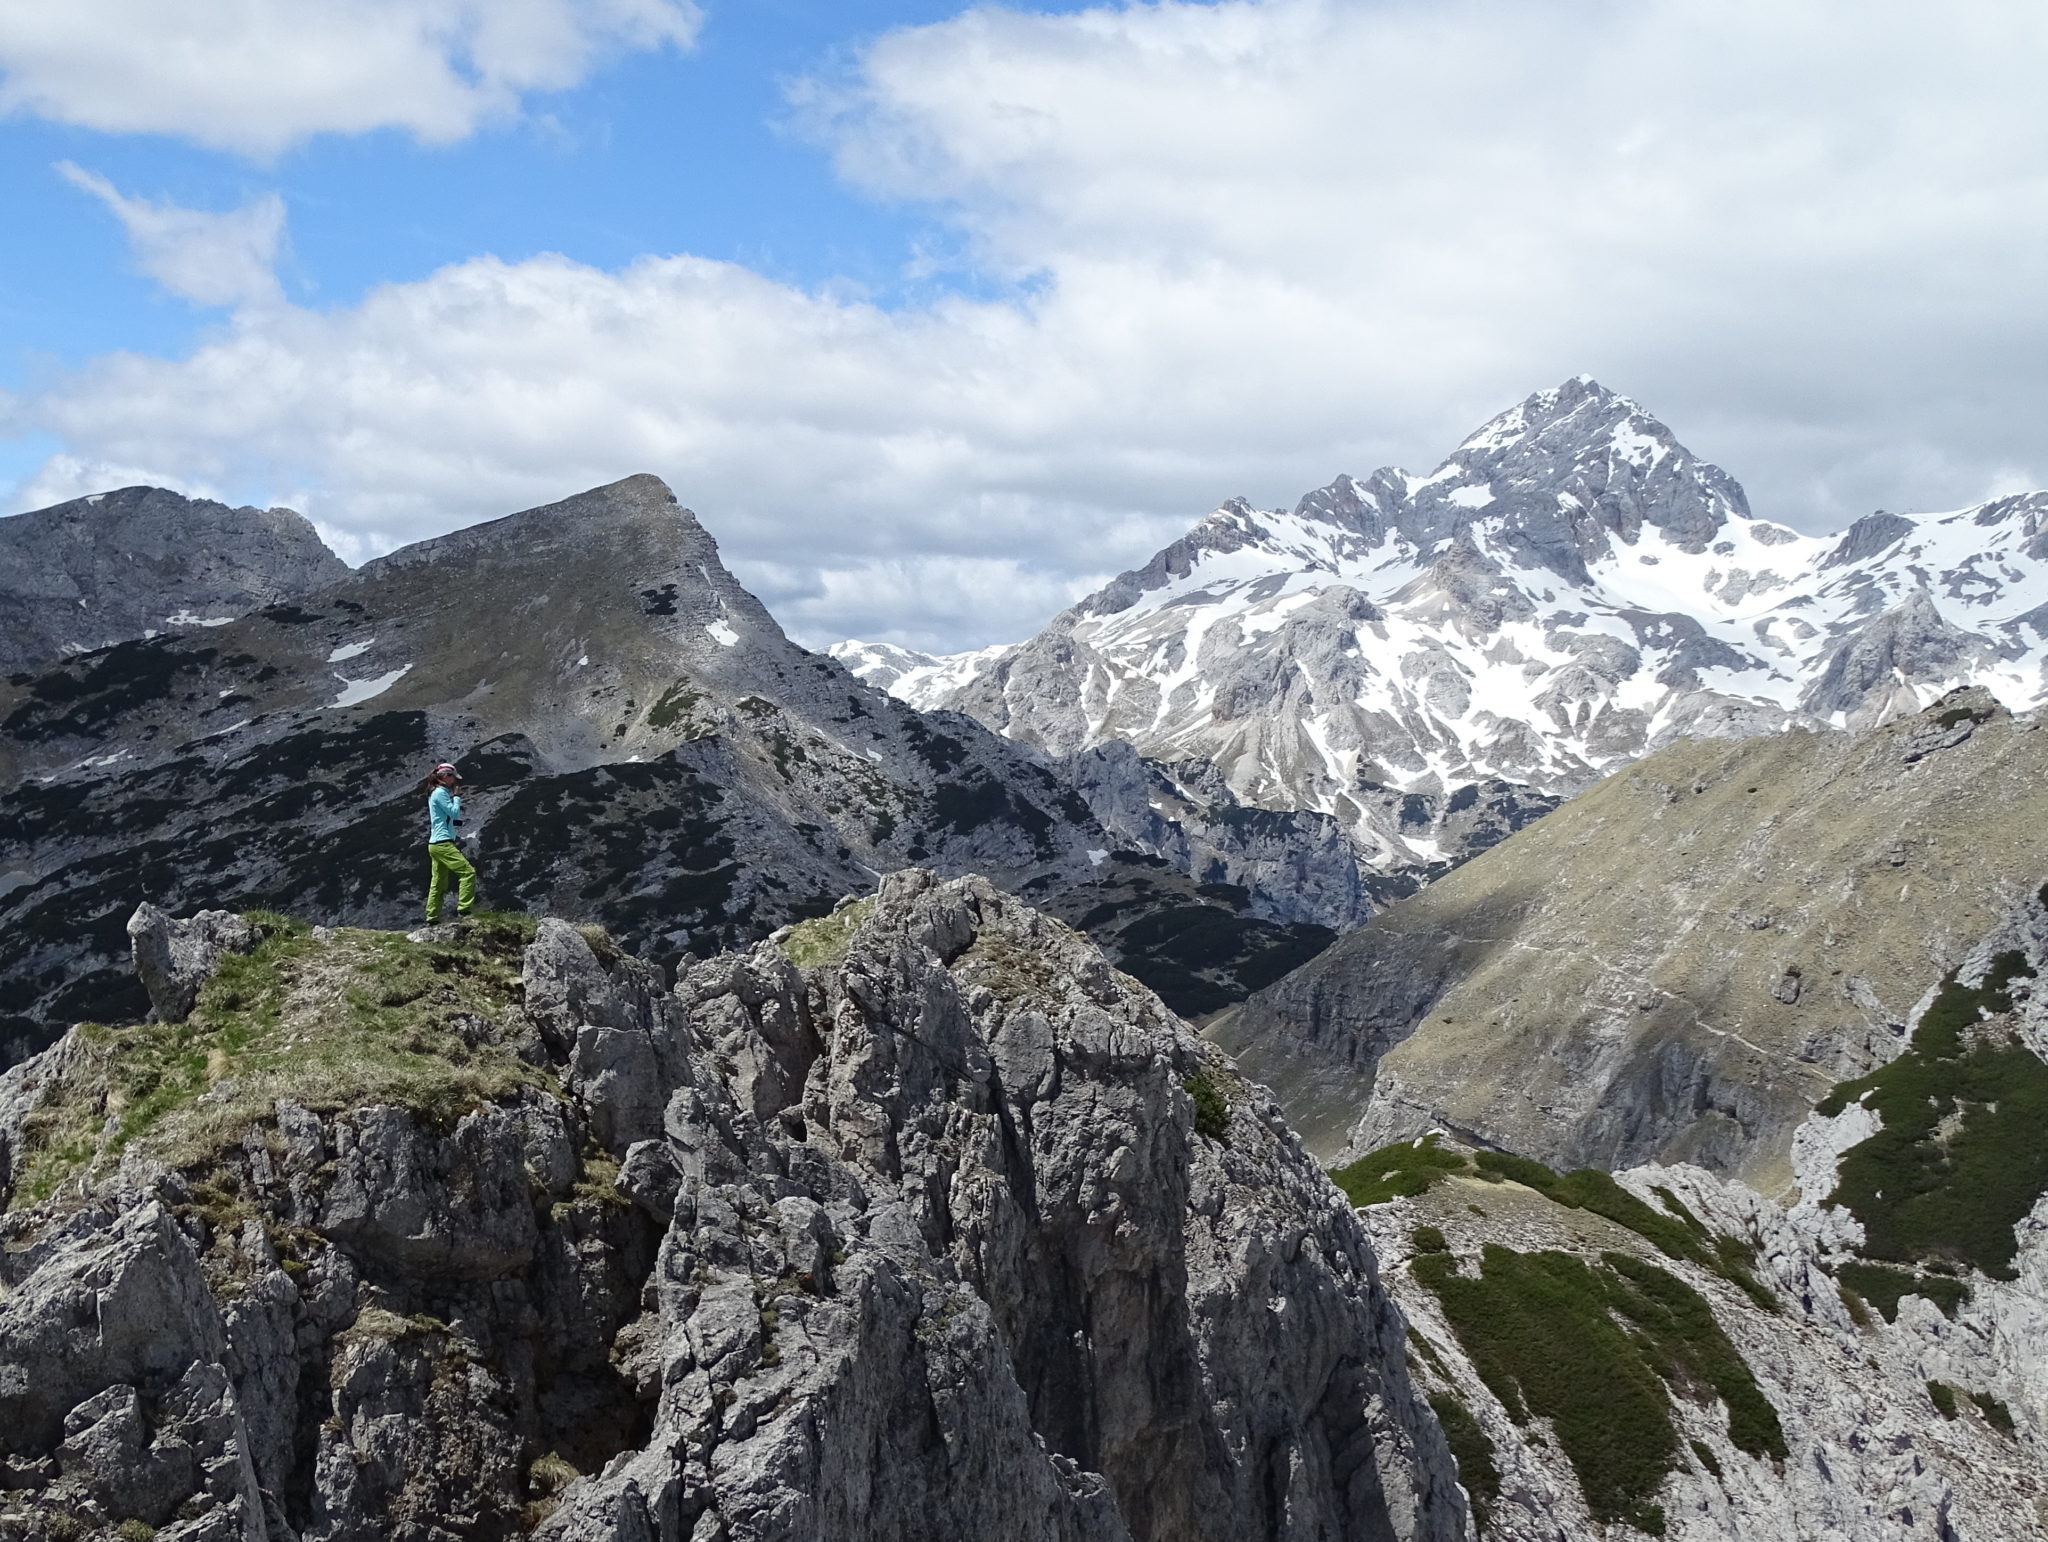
445,861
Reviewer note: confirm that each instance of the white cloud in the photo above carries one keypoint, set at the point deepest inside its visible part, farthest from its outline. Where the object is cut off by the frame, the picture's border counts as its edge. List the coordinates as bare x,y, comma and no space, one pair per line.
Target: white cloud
210,259
259,75
1265,241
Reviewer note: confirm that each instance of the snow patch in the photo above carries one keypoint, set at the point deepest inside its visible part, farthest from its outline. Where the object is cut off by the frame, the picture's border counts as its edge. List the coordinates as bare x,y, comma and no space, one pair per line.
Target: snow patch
722,634
1471,497
1098,857
351,650
353,691
186,618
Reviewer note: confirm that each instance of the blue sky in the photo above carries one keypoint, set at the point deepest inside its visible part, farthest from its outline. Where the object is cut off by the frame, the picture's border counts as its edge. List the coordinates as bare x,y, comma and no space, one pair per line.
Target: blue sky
939,315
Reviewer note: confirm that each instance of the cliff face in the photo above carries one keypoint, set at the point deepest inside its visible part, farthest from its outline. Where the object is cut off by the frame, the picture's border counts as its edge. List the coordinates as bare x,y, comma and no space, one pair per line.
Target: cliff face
1676,965
140,560
918,1220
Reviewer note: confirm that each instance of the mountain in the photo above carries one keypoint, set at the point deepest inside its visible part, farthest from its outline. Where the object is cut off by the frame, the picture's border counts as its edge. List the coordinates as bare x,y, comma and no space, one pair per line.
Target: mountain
1665,1350
1570,590
922,679
917,1221
648,750
144,560
1679,963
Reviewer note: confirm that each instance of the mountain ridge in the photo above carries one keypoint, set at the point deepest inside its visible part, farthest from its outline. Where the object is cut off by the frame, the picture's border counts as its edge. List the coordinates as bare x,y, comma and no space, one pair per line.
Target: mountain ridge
1570,589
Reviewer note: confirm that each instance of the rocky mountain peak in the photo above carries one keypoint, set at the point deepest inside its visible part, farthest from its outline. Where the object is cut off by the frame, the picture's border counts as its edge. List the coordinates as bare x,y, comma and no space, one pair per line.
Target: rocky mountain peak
140,561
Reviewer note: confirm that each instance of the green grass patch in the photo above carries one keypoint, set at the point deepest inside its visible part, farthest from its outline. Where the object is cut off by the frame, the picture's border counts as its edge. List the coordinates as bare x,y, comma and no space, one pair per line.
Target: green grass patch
359,1017
824,940
1474,1453
678,705
1881,1286
1963,1152
1212,1109
1676,1235
1404,1169
1943,1396
1595,1349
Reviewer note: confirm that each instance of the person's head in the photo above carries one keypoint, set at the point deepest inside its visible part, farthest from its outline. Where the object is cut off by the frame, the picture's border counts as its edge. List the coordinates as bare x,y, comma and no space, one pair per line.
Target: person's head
443,775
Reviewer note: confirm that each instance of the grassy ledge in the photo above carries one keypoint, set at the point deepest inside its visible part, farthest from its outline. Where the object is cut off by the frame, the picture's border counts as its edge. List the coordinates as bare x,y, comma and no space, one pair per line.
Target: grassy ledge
335,1021
1411,1168
825,939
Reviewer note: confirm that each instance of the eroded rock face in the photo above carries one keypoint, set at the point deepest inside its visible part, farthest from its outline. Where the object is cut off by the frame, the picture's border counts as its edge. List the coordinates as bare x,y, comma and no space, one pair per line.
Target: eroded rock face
121,564
953,1232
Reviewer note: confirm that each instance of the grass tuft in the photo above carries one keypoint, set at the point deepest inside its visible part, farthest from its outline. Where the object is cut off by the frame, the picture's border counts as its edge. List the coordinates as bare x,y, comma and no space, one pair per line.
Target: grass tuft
825,940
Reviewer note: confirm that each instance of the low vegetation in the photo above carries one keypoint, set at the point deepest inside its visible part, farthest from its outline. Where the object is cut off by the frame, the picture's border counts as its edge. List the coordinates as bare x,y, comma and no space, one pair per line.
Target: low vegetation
332,1021
1402,1170
1963,1152
824,939
1596,1348
1411,1168
1473,1451
1882,1286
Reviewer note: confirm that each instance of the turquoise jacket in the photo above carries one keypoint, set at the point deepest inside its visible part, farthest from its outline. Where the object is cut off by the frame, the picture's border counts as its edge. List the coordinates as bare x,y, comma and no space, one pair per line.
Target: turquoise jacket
444,812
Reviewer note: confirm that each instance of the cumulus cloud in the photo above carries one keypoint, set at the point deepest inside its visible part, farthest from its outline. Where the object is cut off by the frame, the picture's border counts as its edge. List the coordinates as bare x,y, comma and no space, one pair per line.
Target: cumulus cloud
208,258
1248,245
259,75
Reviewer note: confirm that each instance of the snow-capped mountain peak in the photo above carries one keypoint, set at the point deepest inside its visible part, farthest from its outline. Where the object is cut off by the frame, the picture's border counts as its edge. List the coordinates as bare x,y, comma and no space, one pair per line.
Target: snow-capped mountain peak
1570,588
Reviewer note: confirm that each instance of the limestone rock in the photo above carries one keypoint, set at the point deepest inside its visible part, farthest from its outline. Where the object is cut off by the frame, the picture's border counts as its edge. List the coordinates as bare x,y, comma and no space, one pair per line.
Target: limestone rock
952,1231
174,958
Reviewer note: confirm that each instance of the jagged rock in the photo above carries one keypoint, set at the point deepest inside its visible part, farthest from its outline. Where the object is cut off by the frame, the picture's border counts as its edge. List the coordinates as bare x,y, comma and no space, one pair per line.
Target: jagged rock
953,1230
174,958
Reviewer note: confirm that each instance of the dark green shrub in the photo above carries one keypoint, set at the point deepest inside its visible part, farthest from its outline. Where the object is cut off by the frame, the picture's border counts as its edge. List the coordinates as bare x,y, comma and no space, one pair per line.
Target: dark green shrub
1706,1456
1429,1239
1943,1397
1212,1112
1995,1413
1406,1168
1927,1194
1474,1454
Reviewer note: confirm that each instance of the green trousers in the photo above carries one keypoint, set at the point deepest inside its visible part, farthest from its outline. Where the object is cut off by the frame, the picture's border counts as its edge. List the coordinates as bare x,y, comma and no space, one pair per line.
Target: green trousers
445,861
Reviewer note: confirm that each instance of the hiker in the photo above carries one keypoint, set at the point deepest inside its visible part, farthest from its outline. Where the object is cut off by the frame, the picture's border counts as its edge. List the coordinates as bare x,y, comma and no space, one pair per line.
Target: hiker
445,860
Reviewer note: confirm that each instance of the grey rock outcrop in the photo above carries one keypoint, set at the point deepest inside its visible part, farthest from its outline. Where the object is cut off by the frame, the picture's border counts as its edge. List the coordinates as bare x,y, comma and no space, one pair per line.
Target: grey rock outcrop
144,560
174,958
951,1230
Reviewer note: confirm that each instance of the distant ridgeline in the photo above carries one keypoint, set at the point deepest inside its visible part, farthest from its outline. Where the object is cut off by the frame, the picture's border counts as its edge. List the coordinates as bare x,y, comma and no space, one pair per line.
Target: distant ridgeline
645,748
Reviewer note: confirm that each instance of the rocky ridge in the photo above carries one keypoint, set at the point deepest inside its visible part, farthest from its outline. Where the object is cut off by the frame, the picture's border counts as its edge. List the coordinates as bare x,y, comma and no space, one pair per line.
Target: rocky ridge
917,1220
139,561
1570,590
1676,965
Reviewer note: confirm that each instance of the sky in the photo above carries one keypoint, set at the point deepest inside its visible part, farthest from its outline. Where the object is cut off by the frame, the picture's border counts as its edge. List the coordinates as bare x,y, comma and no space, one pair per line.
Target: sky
938,316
